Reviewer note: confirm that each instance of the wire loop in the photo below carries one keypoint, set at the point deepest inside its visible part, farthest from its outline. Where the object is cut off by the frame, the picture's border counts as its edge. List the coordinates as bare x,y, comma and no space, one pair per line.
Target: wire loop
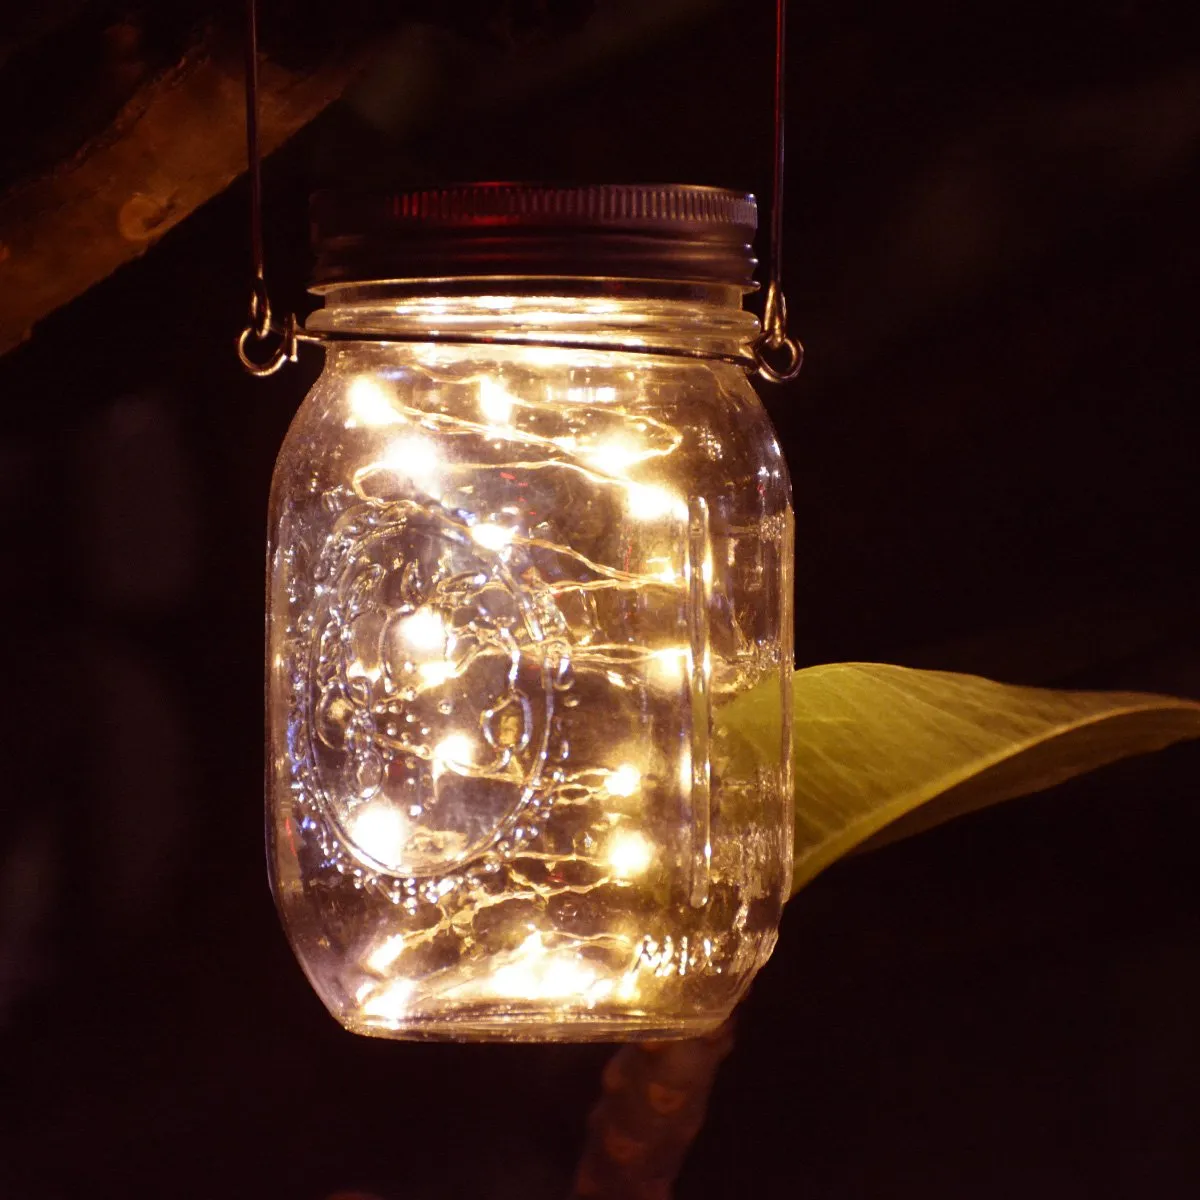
788,369
287,351
774,338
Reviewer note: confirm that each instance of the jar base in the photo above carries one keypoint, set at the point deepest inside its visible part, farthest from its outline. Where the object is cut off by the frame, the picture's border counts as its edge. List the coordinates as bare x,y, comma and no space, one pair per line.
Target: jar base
536,1025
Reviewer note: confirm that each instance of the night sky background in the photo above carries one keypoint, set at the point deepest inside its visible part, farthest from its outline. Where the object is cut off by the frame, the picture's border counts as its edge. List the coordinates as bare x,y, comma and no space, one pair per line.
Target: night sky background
992,258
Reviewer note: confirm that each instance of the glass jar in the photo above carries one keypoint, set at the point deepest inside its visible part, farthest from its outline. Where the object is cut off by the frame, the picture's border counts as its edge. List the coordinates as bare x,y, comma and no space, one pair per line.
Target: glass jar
530,533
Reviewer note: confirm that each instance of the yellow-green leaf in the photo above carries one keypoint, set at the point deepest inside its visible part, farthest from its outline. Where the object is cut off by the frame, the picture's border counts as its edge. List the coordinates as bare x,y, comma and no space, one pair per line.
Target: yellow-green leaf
882,751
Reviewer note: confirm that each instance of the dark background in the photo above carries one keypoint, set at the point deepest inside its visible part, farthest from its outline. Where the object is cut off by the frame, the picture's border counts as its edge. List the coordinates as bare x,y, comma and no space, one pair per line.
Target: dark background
992,257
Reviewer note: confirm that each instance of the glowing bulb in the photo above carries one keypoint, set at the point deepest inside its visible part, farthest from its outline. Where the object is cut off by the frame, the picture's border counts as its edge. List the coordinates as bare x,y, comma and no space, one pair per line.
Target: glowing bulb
380,831
424,631
624,781
370,405
667,667
433,673
647,502
455,749
629,854
614,457
534,973
385,954
417,459
392,1002
356,668
495,403
492,537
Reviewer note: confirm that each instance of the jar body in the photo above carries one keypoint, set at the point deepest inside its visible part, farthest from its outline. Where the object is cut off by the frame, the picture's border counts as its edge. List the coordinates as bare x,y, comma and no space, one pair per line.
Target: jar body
511,590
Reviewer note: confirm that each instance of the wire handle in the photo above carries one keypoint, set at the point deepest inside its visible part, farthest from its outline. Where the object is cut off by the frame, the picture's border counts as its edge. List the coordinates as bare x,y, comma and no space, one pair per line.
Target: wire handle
261,328
775,335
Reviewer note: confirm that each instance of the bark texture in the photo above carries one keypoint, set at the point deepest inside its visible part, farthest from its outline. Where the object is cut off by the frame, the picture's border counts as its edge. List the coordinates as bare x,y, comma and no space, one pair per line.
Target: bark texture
146,128
652,1106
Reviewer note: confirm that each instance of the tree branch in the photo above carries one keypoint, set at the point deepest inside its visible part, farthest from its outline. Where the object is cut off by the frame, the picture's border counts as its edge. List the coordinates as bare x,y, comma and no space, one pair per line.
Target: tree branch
652,1106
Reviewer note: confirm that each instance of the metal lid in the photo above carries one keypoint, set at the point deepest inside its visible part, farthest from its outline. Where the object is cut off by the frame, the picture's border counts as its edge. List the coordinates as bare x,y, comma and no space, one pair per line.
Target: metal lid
676,232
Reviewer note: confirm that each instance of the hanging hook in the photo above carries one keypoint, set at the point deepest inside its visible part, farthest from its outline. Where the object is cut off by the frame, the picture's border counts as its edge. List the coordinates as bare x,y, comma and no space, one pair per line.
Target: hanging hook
259,326
775,335
286,352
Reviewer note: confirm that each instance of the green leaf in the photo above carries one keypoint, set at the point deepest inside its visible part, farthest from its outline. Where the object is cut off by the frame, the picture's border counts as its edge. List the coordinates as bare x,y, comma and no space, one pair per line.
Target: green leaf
881,752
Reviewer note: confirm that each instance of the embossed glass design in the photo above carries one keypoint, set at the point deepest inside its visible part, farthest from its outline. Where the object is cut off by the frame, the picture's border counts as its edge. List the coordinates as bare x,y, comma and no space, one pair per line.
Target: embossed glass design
511,590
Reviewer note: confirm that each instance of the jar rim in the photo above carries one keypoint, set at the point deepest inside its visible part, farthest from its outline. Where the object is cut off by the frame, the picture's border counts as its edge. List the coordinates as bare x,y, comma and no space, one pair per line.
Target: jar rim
668,232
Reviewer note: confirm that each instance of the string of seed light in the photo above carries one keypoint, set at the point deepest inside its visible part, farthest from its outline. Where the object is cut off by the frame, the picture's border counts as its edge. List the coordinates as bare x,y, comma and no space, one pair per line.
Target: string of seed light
529,537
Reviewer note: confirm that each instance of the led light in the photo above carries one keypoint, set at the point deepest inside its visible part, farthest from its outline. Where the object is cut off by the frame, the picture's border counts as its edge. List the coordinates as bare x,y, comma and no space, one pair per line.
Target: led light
433,673
629,853
424,631
391,1003
415,458
492,537
455,750
538,974
624,781
648,502
386,953
380,830
370,405
356,668
495,403
627,987
614,456
668,667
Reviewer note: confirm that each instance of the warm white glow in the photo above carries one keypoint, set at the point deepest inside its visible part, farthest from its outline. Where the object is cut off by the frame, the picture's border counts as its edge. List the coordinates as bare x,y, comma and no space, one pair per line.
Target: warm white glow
456,749
648,502
370,405
424,631
392,1001
357,667
685,770
380,831
384,954
668,667
627,987
629,853
492,537
495,403
624,781
592,395
614,456
536,973
417,459
433,673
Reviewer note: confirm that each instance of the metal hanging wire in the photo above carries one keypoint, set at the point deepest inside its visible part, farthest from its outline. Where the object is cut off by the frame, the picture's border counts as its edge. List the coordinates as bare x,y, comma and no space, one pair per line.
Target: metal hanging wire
775,335
260,328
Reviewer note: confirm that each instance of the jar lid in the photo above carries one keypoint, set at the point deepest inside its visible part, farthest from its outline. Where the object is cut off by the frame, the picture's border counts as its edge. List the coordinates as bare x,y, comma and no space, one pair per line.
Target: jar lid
675,232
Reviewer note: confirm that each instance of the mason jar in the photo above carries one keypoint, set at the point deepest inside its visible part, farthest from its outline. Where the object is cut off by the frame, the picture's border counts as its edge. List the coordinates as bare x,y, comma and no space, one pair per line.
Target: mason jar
530,536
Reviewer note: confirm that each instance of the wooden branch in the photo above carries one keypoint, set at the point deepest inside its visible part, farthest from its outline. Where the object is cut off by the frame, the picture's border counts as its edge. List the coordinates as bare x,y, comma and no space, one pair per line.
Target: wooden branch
652,1106
178,139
